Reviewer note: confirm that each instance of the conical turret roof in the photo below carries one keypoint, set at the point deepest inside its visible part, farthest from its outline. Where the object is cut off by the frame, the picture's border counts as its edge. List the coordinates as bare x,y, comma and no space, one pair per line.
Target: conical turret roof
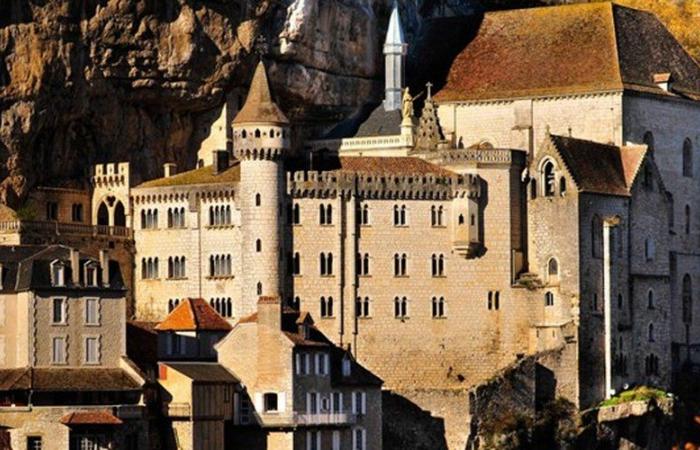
259,106
394,33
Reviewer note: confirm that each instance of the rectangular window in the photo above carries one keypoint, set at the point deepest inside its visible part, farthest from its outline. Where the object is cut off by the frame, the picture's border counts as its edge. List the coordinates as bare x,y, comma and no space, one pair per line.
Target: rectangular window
92,311
58,313
270,402
336,440
312,405
245,411
51,211
92,350
359,403
337,400
58,350
313,440
34,443
359,438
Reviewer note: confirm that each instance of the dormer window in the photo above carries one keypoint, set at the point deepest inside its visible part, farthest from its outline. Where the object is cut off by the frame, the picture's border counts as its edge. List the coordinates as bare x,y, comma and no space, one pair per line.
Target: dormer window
90,274
58,273
347,366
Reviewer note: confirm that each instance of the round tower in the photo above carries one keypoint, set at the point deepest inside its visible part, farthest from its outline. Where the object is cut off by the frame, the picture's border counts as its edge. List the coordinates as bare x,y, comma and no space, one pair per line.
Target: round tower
260,141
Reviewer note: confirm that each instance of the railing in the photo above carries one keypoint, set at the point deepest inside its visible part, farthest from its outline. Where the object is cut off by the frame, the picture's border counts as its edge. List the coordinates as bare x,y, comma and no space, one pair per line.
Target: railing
177,410
296,419
58,228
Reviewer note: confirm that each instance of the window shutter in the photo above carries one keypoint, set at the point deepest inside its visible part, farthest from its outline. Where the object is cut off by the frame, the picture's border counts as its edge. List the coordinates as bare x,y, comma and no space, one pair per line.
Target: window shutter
281,401
354,439
308,403
298,364
326,364
308,440
364,439
341,403
317,360
363,396
354,402
336,440
236,408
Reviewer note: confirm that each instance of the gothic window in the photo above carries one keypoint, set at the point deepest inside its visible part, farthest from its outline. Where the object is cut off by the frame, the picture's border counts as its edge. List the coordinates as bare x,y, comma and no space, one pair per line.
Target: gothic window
438,304
176,267
553,269
650,300
325,214
220,265
399,215
176,217
257,133
687,158
326,307
149,268
149,219
364,215
258,245
562,186
548,183
362,307
218,216
548,299
687,219
296,214
222,305
400,307
650,332
119,215
258,200
363,264
438,265
687,299
326,264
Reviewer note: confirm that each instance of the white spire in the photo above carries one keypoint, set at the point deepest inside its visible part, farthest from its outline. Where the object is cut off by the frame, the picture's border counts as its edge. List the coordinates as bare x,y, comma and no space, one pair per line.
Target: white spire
394,57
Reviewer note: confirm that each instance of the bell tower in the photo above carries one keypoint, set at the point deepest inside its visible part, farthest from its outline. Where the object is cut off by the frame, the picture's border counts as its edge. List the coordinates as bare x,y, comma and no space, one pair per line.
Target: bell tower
260,142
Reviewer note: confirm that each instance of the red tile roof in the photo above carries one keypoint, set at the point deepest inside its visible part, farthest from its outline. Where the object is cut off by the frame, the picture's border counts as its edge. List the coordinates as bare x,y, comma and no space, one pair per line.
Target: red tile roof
194,314
568,49
96,417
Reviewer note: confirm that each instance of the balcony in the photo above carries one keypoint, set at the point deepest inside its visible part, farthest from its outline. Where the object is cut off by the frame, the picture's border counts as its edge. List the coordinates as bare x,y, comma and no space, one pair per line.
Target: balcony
303,419
60,228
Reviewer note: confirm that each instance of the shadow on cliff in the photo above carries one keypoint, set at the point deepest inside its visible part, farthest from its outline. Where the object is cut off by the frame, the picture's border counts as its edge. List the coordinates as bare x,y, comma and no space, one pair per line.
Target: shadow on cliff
406,426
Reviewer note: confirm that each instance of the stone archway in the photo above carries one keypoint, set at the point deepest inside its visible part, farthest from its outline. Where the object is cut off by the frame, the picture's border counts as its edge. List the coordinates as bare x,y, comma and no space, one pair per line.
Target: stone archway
103,214
119,215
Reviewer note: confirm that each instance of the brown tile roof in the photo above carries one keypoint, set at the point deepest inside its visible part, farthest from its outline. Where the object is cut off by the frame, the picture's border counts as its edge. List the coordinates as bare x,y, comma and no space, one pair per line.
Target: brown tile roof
194,314
259,106
54,379
566,50
600,168
203,175
384,165
203,372
95,417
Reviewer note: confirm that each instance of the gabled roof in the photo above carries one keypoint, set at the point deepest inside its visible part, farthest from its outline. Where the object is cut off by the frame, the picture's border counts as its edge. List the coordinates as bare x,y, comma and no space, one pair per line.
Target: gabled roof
259,106
90,417
569,49
600,168
203,175
194,314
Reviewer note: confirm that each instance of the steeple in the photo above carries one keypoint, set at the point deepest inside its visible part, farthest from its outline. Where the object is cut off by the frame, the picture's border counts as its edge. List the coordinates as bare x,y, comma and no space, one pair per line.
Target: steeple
259,106
394,57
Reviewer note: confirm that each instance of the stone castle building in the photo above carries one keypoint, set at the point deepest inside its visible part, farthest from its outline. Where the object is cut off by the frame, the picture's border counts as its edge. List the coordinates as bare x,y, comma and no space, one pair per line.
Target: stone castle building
541,206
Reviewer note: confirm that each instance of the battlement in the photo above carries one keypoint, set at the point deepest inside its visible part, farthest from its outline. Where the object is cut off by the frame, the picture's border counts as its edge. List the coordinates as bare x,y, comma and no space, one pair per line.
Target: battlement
111,174
385,186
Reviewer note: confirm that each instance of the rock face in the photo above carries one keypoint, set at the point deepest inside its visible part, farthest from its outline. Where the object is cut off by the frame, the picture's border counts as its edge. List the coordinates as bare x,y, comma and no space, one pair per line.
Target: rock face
87,81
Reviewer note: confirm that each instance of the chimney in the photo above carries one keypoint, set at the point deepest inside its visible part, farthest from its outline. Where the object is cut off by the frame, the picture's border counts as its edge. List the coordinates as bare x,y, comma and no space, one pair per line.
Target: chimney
75,266
169,169
663,80
221,162
270,313
104,264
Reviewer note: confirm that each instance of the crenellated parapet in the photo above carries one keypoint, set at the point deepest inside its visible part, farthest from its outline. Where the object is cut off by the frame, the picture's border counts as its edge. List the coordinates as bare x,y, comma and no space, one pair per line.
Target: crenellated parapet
111,174
417,186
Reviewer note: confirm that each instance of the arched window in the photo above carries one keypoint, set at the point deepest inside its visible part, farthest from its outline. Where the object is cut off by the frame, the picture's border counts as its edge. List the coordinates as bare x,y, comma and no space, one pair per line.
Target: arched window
403,264
258,200
548,299
651,332
259,288
460,219
119,215
433,216
397,216
258,245
533,189
362,307
244,134
326,264
687,219
490,300
296,264
400,307
257,133
103,215
650,300
548,183
687,299
438,307
326,307
397,265
562,186
553,269
296,214
365,215
687,158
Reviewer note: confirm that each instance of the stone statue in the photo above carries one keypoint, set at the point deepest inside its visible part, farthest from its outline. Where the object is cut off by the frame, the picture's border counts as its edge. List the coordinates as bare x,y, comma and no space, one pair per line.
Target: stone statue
407,102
